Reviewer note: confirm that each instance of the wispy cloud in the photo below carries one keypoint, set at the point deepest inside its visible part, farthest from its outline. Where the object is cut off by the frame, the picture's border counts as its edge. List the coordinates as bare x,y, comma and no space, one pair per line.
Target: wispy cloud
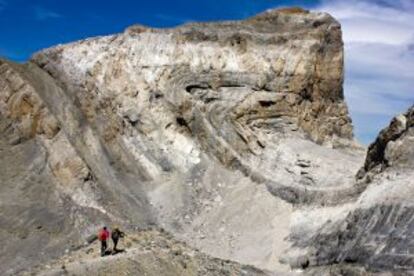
379,59
42,13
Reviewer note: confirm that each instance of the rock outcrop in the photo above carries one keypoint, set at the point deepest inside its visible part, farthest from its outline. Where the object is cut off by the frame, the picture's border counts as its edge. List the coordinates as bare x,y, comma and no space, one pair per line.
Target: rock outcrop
393,146
376,232
233,136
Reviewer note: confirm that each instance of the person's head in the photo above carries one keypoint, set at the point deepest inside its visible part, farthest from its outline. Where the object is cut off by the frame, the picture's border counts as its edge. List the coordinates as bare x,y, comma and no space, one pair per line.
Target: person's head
104,228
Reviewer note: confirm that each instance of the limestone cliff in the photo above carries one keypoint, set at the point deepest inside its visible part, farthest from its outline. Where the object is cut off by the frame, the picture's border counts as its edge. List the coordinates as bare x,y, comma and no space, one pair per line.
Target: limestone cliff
233,136
226,89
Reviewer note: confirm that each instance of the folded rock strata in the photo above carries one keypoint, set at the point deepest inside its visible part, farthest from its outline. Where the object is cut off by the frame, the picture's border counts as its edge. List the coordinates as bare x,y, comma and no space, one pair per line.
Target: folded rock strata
233,136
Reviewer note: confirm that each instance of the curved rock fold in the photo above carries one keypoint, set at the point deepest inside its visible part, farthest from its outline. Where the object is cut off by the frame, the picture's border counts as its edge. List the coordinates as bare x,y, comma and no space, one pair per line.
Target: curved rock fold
232,136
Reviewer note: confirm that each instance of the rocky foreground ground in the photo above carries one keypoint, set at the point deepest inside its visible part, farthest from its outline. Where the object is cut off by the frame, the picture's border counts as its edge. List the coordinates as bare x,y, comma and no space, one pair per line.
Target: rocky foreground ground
234,137
148,252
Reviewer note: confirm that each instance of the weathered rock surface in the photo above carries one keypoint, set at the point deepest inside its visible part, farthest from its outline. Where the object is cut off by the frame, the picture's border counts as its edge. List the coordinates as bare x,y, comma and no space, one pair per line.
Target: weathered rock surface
233,136
377,231
393,146
50,198
230,90
145,253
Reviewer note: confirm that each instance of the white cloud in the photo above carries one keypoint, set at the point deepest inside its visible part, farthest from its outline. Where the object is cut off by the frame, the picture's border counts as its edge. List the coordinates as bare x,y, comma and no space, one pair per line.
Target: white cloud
379,59
41,13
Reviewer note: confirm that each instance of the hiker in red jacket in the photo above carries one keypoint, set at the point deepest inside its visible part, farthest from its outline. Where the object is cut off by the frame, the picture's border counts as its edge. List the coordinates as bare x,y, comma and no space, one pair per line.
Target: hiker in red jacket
103,236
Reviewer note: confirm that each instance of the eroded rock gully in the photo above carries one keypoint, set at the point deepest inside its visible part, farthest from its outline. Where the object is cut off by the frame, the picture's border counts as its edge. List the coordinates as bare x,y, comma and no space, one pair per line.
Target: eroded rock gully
232,136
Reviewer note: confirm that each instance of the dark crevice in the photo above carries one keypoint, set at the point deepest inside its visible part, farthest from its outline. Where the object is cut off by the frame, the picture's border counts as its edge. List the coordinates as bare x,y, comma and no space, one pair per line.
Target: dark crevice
306,95
204,86
305,264
132,120
155,96
89,177
181,121
260,144
190,88
211,99
264,87
267,103
232,86
316,24
236,41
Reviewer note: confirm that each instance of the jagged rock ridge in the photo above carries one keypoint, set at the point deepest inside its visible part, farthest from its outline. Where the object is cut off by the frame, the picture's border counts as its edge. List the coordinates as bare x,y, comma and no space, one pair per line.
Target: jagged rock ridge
377,230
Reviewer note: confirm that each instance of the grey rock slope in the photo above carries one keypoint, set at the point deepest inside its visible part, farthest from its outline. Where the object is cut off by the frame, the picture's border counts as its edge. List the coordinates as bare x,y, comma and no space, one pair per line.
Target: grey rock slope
377,231
233,136
50,197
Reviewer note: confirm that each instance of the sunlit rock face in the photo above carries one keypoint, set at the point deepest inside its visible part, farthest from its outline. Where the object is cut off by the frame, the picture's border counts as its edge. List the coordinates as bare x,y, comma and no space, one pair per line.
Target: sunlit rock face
233,136
227,89
241,75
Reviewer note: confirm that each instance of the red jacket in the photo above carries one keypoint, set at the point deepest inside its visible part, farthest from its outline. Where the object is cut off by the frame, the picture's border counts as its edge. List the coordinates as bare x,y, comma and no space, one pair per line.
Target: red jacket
103,235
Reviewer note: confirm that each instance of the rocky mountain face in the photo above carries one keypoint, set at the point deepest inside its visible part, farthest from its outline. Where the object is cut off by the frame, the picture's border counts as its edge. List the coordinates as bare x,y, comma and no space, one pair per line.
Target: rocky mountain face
377,229
234,137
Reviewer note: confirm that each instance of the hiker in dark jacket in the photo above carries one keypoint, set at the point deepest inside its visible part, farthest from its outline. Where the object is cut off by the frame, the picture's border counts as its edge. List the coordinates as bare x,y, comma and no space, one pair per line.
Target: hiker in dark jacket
116,235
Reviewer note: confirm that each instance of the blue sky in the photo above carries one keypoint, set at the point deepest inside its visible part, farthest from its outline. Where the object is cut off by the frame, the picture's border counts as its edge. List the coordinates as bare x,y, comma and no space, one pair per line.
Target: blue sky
378,35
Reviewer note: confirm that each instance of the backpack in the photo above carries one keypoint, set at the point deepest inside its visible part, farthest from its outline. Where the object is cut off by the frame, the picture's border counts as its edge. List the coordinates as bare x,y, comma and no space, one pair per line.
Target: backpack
102,235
